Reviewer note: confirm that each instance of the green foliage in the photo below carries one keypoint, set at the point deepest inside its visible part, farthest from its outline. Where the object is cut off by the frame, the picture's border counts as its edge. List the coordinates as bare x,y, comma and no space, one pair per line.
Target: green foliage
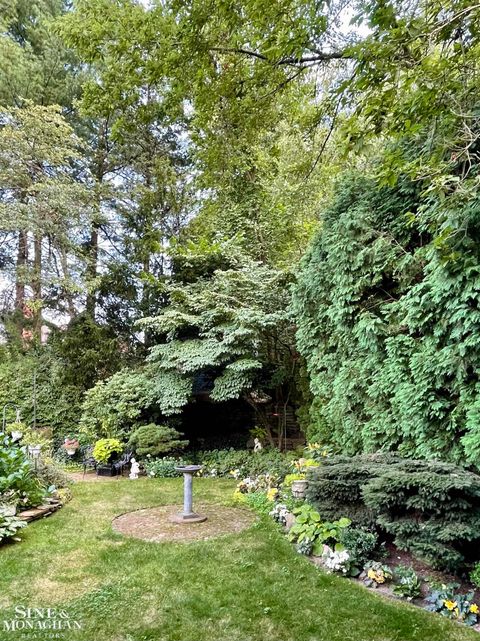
258,501
475,575
9,524
429,508
407,583
50,475
361,544
33,437
163,467
246,463
234,325
288,480
113,406
388,326
57,404
152,440
18,484
106,449
88,351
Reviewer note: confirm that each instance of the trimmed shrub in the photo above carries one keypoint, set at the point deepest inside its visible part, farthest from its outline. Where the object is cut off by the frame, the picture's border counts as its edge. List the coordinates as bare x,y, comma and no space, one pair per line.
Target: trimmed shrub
431,509
106,449
152,440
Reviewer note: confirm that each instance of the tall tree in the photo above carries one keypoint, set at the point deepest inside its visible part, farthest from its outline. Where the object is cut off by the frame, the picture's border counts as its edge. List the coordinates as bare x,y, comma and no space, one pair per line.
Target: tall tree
43,204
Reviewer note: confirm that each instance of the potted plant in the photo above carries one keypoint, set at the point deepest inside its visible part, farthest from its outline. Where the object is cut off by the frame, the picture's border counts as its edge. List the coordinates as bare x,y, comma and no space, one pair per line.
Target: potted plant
71,445
105,451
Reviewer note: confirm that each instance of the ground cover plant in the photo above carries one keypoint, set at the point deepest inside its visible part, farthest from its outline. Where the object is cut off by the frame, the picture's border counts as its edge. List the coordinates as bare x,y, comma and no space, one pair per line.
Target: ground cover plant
249,586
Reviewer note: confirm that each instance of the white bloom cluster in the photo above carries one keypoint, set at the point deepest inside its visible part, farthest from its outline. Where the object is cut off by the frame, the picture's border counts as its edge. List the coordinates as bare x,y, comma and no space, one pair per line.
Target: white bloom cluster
336,561
279,513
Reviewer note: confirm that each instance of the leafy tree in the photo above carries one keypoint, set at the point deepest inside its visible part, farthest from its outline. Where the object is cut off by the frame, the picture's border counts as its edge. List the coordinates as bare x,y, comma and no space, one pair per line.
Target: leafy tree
234,331
231,334
113,406
35,64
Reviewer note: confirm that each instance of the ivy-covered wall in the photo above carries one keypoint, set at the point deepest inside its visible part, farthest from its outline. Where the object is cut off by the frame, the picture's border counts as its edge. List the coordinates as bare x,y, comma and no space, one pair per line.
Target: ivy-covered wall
388,318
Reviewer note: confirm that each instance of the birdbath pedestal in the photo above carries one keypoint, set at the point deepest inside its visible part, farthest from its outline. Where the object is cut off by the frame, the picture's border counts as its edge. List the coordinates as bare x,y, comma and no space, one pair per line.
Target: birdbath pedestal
188,515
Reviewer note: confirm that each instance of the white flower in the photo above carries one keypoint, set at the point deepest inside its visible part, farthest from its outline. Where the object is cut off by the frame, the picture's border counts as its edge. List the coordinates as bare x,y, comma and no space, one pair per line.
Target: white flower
336,561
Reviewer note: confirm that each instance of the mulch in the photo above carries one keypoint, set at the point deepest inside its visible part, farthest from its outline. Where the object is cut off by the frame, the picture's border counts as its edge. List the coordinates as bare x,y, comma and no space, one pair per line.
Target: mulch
154,524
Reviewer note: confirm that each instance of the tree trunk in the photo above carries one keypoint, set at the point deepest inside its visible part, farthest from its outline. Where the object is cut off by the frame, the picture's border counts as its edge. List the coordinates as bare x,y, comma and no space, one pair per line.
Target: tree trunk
22,257
37,285
99,169
92,268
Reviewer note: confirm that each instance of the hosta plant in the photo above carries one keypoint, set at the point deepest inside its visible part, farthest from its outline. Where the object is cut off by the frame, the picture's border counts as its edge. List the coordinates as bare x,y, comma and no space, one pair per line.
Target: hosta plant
459,607
407,583
308,525
9,523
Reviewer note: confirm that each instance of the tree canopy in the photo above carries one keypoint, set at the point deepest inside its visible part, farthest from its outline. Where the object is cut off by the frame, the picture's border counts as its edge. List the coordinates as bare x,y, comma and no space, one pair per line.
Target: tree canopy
172,171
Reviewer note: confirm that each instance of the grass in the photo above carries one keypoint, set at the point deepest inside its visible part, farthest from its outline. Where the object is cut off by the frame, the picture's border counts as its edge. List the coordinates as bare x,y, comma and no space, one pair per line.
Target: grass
250,586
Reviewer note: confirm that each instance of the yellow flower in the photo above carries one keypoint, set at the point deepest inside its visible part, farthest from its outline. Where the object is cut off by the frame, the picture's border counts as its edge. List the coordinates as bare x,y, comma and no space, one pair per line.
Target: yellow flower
450,605
474,608
378,577
272,493
457,612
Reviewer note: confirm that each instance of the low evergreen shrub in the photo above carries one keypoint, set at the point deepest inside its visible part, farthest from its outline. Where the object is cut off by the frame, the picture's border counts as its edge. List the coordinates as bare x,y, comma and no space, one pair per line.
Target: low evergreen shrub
429,508
154,439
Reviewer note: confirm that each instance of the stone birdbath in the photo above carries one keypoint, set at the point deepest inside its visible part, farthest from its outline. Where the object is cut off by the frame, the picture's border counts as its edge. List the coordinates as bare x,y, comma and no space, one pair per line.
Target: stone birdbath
188,515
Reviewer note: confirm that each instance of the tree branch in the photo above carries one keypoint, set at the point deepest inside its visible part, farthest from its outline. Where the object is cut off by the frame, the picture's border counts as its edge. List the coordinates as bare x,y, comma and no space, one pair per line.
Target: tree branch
321,56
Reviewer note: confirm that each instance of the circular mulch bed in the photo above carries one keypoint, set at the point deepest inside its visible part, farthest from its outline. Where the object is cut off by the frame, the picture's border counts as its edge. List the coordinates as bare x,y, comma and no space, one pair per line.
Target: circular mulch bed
154,524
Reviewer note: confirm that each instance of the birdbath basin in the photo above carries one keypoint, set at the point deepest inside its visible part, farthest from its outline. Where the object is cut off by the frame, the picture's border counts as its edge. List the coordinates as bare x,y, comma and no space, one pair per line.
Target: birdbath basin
188,515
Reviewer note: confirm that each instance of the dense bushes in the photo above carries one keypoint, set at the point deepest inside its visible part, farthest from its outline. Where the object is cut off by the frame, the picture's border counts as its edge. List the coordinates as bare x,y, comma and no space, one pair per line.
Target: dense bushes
429,508
227,463
246,462
389,325
163,467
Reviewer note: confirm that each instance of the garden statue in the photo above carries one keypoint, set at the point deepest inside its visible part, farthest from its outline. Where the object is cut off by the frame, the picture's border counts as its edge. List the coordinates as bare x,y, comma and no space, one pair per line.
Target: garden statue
257,446
134,470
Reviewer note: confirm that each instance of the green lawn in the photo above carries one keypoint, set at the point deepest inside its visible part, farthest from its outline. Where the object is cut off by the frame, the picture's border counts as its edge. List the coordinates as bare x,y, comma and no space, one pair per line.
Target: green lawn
247,587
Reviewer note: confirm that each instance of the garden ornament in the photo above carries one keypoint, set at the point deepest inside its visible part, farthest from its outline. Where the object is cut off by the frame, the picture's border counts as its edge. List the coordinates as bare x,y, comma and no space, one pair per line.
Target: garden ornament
188,515
134,469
